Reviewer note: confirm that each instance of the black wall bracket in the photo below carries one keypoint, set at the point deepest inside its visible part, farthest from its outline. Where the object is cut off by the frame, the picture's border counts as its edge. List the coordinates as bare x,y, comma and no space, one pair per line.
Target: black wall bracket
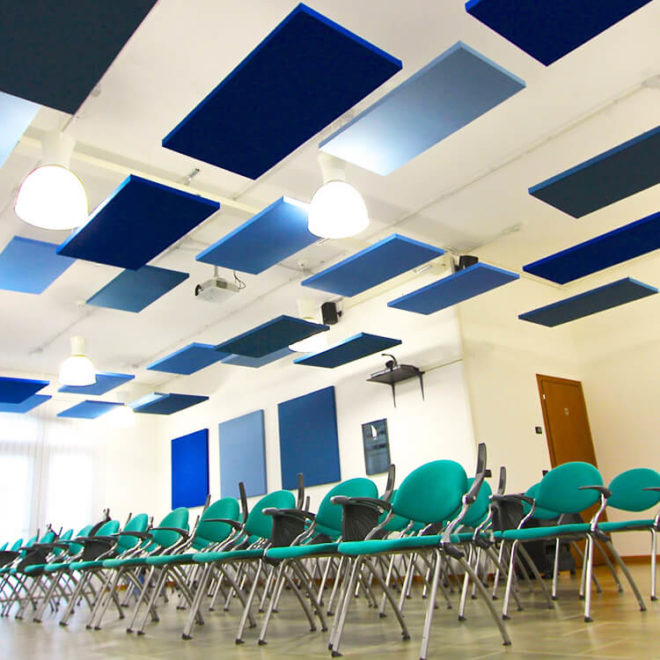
396,373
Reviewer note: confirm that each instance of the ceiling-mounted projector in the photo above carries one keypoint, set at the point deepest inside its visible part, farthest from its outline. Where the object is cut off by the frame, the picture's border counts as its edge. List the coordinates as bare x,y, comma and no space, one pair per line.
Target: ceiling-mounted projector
215,290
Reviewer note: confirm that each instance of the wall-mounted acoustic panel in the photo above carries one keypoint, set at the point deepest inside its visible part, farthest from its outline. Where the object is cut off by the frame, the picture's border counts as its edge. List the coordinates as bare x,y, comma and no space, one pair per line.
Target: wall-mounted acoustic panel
454,289
353,348
308,439
15,116
591,302
245,361
30,266
133,290
17,390
136,223
190,469
376,264
105,381
271,336
307,72
614,247
166,404
55,53
25,406
448,93
243,455
607,178
275,233
188,360
549,29
89,409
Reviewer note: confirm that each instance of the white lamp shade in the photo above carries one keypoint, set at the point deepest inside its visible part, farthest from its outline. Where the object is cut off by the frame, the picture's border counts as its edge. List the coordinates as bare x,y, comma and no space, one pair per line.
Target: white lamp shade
122,417
337,210
77,370
311,344
52,197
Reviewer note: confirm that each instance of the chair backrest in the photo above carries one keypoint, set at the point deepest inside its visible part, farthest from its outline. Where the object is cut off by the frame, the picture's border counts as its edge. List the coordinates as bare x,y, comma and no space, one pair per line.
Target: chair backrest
479,508
176,518
48,537
628,491
539,512
137,523
329,514
75,548
207,532
559,488
4,546
258,524
17,545
63,537
108,528
395,523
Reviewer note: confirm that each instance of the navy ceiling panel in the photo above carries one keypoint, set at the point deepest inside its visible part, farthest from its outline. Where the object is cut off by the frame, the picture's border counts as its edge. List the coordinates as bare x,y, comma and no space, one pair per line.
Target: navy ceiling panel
245,361
30,266
376,264
454,289
89,409
448,93
136,223
188,360
606,178
549,29
271,336
275,233
25,406
15,116
133,290
614,247
307,72
105,381
54,53
190,469
591,302
166,404
353,348
17,390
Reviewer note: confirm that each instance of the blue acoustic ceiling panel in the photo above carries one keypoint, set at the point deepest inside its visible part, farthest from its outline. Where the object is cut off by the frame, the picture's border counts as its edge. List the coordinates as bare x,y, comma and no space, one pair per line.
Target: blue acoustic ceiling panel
190,469
243,455
376,264
188,360
448,93
30,266
591,302
307,72
25,406
606,178
55,53
353,348
271,336
549,29
17,390
606,250
137,222
166,404
133,290
15,116
89,409
105,381
276,233
245,361
454,289
308,439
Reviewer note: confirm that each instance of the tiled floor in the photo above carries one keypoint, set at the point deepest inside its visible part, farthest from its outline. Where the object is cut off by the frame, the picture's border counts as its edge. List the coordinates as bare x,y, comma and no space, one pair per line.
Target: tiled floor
619,631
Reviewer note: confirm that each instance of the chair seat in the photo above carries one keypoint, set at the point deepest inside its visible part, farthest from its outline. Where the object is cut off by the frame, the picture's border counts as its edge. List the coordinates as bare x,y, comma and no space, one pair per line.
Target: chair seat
164,560
627,525
301,551
534,533
229,555
373,547
79,565
128,561
58,566
34,568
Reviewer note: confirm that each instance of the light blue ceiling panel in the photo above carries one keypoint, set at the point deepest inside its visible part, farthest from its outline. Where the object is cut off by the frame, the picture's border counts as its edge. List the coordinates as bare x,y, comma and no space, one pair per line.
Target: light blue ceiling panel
159,403
105,381
188,360
17,390
15,116
353,348
25,406
255,362
90,409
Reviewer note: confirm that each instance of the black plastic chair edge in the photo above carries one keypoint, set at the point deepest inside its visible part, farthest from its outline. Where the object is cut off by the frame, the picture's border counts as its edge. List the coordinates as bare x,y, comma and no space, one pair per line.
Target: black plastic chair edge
301,491
603,490
501,486
244,502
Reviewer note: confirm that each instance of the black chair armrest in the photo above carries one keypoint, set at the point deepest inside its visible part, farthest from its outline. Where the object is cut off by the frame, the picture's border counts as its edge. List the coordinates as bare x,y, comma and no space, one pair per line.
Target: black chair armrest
655,488
605,492
293,513
227,521
138,535
343,500
182,532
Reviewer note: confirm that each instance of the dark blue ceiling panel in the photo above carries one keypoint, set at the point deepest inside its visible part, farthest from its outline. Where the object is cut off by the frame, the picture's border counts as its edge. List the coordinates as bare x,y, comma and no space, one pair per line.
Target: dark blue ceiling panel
376,264
591,302
353,348
105,381
307,72
55,53
133,290
245,361
166,404
271,336
549,29
30,266
89,409
17,390
188,360
601,252
454,289
25,406
606,178
276,233
450,92
136,223
15,116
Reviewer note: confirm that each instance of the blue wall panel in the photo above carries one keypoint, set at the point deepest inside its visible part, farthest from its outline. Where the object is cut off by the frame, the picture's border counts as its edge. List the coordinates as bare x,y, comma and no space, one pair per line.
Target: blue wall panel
190,469
349,350
25,406
15,116
17,390
308,439
243,455
89,409
188,360
105,381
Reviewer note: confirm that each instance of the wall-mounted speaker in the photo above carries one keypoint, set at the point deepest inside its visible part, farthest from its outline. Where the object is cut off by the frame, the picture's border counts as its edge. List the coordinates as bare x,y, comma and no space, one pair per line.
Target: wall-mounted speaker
330,313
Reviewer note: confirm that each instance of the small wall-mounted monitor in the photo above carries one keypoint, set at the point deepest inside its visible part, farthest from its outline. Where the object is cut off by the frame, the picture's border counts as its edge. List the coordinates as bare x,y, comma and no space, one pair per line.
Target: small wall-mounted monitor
376,446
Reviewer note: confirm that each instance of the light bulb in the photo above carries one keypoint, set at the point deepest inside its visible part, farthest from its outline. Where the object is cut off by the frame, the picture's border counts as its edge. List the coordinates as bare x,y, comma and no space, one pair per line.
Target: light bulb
77,370
337,210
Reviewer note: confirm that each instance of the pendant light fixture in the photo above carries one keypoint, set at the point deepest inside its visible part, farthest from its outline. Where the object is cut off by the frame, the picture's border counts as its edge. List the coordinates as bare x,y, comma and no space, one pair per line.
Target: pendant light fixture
77,369
337,209
122,417
52,196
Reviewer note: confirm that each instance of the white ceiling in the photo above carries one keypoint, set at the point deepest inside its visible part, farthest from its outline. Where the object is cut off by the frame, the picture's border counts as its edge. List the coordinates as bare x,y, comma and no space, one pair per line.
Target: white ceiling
469,190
